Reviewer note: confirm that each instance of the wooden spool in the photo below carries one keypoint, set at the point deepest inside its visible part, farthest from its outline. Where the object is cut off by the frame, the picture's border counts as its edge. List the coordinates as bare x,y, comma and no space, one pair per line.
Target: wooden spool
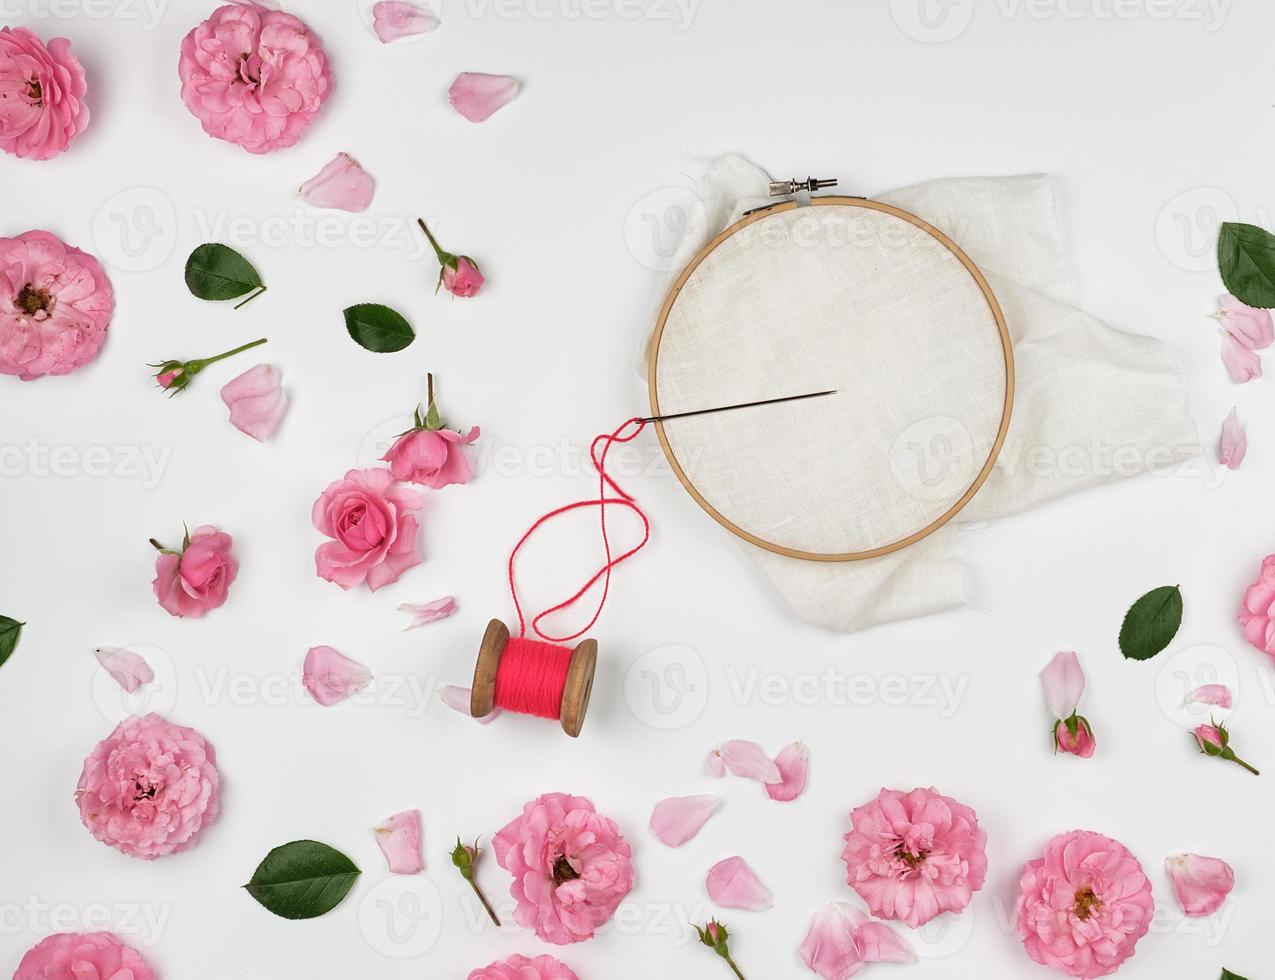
575,695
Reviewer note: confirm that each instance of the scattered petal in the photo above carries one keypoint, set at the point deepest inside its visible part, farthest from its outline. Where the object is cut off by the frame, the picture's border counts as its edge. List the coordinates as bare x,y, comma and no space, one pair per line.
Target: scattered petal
715,765
392,20
330,676
457,698
476,95
428,612
257,401
1233,445
1241,363
732,884
1064,683
1215,694
841,939
747,759
1201,883
793,763
399,838
342,184
1251,327
676,820
128,668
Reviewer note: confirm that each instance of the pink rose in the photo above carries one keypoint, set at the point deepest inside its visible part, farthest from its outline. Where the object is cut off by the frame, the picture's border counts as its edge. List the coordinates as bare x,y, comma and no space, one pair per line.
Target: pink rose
196,579
1083,906
149,788
55,305
1258,609
520,968
76,955
254,76
41,95
431,457
912,856
462,279
571,867
366,513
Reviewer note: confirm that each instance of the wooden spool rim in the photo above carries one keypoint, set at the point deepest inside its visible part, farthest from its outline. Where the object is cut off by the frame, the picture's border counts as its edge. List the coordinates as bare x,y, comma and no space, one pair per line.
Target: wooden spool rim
1006,346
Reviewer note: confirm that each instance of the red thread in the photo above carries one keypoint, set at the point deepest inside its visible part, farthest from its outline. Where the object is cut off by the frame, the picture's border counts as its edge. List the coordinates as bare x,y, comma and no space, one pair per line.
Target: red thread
532,677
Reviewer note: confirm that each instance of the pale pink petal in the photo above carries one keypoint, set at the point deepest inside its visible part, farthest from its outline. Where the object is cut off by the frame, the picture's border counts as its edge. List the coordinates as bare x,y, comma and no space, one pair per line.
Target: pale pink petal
392,20
128,668
342,184
476,95
676,820
1252,327
399,838
747,759
793,763
1200,883
715,765
732,884
1233,445
428,612
1241,363
457,698
881,944
841,939
1215,694
331,676
257,401
1064,682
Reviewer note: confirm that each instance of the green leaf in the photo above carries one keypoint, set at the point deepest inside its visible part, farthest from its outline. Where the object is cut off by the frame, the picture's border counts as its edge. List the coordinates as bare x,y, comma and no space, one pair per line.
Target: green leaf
218,272
302,879
1228,975
1246,259
1151,623
10,630
378,328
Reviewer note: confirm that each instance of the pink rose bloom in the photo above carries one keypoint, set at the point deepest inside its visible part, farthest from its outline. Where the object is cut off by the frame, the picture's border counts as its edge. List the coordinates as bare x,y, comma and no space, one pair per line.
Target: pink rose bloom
1084,905
463,279
149,788
191,582
55,306
254,76
520,968
83,956
1258,609
41,95
570,865
431,457
366,513
912,856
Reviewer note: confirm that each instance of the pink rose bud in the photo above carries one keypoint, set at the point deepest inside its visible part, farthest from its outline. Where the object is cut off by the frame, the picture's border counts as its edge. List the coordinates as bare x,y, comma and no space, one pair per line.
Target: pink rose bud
1215,741
717,938
190,582
465,858
1063,682
459,274
1075,737
428,453
176,375
1200,883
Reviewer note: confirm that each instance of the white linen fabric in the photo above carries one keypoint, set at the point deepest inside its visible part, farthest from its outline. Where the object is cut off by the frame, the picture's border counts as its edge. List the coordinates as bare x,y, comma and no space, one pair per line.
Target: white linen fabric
1086,393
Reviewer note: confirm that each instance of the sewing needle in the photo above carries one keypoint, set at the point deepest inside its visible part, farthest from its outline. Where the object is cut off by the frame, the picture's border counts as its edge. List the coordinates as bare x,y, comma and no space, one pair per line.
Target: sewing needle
730,408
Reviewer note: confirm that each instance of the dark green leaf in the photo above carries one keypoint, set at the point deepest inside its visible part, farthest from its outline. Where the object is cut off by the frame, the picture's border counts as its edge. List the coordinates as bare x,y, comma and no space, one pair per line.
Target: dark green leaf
302,879
1228,975
218,272
1151,623
378,328
10,630
1246,259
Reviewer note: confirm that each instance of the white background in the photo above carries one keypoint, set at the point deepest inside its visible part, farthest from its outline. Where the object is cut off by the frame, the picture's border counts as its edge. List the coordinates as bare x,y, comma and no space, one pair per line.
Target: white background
1155,126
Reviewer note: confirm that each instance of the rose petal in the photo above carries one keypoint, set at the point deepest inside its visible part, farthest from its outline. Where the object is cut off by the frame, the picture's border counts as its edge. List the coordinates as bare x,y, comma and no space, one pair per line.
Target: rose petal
399,838
747,759
676,820
1200,883
881,944
428,612
331,676
392,20
476,95
1252,327
715,765
732,884
128,668
841,939
342,184
1233,445
793,763
257,401
1064,682
1215,694
457,698
1241,363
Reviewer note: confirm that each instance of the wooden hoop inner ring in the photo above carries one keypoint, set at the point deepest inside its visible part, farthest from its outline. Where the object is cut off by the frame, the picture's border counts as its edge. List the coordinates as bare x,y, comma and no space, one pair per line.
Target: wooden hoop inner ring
1006,347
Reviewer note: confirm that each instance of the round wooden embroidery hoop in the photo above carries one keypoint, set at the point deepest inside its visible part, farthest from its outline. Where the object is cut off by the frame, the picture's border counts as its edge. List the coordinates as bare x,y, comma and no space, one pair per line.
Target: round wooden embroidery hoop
1007,348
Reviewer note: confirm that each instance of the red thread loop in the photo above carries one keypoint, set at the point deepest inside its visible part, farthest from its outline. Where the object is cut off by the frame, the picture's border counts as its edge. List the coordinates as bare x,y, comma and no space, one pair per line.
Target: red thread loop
602,501
532,677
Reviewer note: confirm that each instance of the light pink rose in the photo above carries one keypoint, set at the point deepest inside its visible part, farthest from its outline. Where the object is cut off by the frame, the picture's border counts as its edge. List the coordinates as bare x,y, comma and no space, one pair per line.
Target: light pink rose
253,76
841,939
366,513
912,856
520,968
41,95
431,457
149,788
256,400
83,956
197,579
55,306
1083,906
463,279
1257,611
571,867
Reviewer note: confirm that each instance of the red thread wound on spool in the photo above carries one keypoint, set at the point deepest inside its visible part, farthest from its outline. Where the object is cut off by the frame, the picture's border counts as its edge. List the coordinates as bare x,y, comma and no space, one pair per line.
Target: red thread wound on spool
532,677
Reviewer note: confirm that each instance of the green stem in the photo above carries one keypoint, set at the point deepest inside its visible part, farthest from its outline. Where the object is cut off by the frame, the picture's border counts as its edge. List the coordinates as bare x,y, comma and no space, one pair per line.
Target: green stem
483,898
204,362
251,297
1228,754
732,965
437,248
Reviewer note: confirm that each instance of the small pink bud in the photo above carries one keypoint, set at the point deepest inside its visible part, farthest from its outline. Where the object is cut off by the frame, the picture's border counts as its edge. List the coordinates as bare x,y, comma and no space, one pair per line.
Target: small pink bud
464,280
